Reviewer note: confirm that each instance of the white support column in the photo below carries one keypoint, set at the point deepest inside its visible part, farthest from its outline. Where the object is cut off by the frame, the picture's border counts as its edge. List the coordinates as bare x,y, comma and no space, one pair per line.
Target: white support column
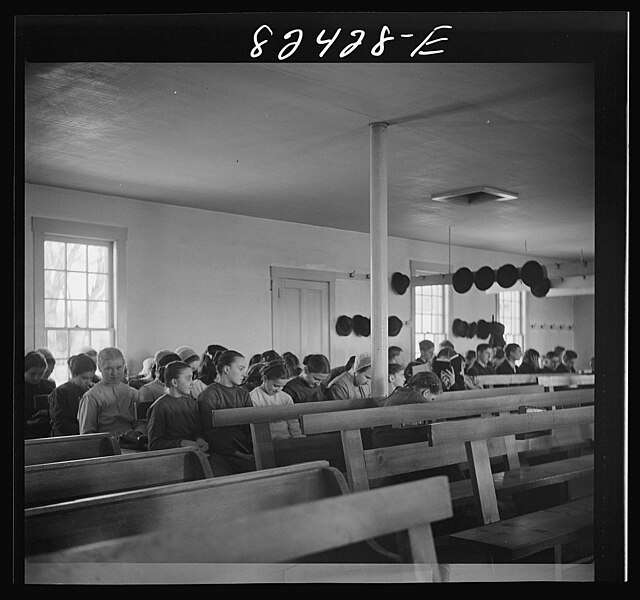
378,250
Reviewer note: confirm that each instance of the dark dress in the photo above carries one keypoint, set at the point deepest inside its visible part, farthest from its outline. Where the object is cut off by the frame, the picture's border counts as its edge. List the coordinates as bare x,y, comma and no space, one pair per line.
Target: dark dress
36,426
300,391
224,442
63,409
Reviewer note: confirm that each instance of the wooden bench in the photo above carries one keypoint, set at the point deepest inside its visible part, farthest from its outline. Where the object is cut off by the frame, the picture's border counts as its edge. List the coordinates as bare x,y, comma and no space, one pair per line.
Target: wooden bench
57,526
364,465
551,381
68,480
548,380
284,534
140,409
69,447
283,452
521,536
269,453
507,380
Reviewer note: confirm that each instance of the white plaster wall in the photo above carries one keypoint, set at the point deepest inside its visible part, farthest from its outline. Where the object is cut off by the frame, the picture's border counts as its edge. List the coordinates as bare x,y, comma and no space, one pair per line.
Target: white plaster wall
197,277
584,336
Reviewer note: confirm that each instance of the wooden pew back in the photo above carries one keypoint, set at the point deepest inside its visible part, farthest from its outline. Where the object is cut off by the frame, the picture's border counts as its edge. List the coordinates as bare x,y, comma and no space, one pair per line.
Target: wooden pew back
516,379
286,534
176,506
440,409
475,434
553,380
68,480
69,447
363,465
324,445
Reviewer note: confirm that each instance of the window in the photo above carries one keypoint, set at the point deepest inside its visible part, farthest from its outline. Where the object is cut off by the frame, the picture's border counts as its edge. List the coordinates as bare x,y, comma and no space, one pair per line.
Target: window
78,307
75,289
511,315
430,314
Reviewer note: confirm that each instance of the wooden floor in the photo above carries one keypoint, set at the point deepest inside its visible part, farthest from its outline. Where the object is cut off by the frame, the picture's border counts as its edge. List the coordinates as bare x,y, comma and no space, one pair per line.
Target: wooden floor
159,573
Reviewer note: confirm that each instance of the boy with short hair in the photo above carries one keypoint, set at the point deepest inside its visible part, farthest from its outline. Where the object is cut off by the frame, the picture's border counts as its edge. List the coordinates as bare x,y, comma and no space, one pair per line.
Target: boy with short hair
567,362
109,405
395,355
512,353
396,376
482,364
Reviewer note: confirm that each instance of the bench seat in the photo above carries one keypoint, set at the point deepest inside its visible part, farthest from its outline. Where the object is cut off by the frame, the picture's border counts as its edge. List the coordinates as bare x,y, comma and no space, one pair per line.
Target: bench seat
526,478
522,536
68,480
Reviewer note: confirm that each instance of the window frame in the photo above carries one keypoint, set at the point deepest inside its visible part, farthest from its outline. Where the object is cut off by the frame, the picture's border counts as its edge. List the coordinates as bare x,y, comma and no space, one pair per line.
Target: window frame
85,233
421,268
522,316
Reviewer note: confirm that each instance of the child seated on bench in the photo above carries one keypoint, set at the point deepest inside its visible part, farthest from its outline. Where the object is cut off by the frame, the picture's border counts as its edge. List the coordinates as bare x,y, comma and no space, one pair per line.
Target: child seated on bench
422,387
269,393
109,405
306,387
65,399
153,390
36,420
173,419
233,443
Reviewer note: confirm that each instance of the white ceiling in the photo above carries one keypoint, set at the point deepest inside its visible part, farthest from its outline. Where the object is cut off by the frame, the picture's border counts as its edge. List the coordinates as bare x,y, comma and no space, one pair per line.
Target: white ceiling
291,142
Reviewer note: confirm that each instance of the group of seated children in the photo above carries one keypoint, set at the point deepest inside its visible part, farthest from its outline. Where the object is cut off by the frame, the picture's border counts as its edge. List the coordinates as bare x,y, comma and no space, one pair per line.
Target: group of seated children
183,388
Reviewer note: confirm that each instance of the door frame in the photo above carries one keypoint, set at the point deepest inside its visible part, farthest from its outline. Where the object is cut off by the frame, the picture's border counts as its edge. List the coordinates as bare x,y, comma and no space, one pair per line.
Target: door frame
328,277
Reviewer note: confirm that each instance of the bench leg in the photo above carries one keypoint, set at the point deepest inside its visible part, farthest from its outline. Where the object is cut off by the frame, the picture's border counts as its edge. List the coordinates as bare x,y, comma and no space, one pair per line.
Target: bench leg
263,446
482,480
557,554
357,477
423,550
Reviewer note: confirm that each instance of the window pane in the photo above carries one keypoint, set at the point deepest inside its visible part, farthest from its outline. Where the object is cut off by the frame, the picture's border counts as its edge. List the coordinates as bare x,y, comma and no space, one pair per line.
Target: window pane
97,287
54,313
57,343
78,339
97,256
77,286
100,339
97,314
54,255
76,257
54,282
76,313
60,372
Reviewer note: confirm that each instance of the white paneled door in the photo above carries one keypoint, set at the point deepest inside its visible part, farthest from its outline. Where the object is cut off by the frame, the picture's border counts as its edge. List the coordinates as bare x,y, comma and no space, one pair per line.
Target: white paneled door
300,316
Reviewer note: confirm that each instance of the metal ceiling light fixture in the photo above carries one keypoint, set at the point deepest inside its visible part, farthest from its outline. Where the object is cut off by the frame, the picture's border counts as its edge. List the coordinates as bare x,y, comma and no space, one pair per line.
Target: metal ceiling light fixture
474,195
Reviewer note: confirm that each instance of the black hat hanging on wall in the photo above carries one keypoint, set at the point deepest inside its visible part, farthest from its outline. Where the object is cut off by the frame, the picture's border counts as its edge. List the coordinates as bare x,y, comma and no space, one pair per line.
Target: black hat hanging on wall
361,325
483,330
507,275
400,282
344,325
532,273
484,278
460,328
541,289
462,280
394,326
472,329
